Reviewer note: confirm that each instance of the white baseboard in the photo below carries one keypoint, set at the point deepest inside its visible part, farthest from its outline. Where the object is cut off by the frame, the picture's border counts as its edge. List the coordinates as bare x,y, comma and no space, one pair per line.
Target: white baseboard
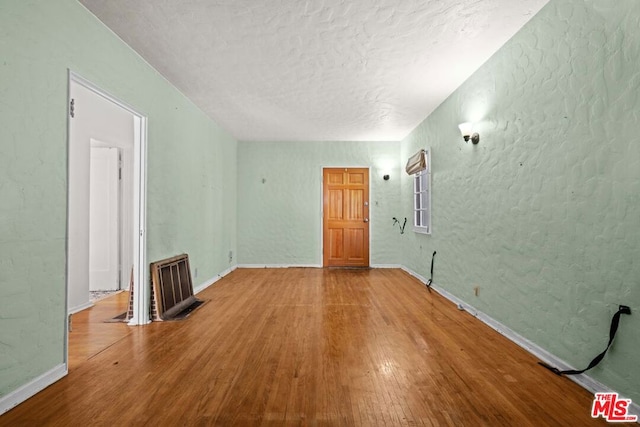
34,386
80,307
308,266
201,287
386,266
582,380
279,266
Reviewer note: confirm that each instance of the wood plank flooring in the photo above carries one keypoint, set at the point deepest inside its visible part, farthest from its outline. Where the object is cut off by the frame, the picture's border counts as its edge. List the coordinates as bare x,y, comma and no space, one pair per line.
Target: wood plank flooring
305,347
90,334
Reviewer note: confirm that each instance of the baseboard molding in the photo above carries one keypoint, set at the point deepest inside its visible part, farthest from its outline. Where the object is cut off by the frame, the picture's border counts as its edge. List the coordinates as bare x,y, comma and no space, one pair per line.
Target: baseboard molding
308,266
34,386
386,266
279,266
213,280
582,380
80,307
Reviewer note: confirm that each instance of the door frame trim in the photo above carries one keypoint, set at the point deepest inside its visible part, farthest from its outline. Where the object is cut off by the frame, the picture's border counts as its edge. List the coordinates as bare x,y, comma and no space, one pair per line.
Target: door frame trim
141,292
371,215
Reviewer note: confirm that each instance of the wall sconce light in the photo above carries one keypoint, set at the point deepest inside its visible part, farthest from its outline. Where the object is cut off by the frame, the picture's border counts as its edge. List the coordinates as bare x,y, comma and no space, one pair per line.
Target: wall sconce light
466,129
386,177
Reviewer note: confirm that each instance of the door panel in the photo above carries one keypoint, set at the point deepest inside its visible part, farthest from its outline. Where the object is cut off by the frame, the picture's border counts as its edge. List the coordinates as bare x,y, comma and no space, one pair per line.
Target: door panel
356,178
355,245
336,245
335,205
346,217
356,206
335,178
103,220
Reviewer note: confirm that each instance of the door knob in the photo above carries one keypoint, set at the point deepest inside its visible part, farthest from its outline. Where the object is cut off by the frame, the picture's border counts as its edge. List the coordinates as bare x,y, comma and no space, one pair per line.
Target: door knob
366,220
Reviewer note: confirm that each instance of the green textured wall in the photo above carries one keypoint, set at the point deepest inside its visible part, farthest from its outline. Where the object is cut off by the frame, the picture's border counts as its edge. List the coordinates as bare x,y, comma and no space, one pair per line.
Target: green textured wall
544,214
191,163
279,221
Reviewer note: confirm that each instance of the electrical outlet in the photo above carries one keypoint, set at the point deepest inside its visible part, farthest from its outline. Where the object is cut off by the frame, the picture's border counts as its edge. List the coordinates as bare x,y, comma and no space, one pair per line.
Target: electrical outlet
476,290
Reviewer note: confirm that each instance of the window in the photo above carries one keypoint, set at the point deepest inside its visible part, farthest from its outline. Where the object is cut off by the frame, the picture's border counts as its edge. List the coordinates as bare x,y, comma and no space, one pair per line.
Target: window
419,167
422,200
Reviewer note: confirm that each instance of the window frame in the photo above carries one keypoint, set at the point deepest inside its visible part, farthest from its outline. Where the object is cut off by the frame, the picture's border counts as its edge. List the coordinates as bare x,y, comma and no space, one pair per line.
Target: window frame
423,177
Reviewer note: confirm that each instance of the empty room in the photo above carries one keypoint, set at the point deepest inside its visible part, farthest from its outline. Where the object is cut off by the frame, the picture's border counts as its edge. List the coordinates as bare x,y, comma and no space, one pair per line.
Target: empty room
319,213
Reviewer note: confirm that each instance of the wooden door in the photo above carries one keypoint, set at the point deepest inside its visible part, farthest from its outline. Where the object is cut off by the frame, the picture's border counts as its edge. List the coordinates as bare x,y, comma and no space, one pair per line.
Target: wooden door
345,217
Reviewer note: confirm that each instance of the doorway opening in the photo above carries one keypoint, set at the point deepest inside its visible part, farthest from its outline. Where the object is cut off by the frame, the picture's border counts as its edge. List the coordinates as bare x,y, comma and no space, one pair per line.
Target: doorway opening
106,200
106,235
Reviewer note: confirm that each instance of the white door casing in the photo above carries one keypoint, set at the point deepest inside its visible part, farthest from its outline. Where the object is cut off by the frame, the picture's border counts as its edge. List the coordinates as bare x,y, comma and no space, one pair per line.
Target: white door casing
88,126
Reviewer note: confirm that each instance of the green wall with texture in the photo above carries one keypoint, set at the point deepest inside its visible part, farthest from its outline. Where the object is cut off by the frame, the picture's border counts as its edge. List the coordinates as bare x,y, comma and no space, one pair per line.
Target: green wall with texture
544,214
191,186
279,221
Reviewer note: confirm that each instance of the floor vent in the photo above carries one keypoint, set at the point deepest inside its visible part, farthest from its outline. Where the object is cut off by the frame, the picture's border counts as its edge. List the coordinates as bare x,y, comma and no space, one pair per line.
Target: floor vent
172,289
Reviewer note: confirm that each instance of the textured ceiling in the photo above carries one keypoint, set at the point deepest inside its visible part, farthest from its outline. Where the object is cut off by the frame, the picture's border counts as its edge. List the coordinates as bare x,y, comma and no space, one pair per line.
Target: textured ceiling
316,70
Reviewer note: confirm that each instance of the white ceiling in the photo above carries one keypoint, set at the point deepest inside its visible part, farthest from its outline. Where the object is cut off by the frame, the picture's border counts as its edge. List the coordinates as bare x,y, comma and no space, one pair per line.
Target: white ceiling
321,70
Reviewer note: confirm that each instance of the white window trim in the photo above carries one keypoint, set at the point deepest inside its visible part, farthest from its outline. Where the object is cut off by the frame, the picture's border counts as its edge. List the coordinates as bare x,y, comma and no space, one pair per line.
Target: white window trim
424,229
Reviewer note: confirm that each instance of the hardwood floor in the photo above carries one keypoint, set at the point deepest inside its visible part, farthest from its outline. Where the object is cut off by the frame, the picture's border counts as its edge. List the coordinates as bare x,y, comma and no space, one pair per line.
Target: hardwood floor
308,347
90,334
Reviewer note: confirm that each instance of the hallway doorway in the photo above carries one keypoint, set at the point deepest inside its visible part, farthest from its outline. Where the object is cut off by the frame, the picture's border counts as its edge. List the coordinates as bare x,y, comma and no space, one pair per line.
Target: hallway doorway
106,199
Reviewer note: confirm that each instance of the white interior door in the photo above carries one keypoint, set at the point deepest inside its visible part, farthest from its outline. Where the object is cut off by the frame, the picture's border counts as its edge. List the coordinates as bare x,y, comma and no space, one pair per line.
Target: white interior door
104,219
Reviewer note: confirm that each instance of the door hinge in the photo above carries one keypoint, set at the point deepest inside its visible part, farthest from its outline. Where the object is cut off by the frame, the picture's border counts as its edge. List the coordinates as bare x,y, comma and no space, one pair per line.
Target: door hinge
72,108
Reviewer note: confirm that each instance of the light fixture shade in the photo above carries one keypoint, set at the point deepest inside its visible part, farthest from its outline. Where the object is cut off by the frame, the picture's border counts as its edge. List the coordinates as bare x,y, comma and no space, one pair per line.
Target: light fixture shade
466,129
